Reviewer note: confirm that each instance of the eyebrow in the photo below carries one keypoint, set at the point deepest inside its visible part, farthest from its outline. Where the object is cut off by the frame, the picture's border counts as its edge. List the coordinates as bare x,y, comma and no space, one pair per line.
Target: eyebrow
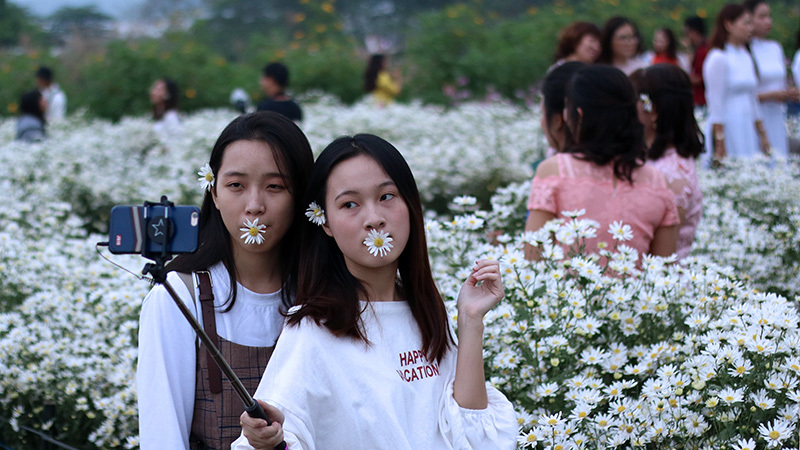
351,192
233,173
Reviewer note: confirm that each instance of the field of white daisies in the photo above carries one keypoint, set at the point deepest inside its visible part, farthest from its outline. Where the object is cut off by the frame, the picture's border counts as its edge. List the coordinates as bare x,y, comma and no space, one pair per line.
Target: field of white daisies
594,350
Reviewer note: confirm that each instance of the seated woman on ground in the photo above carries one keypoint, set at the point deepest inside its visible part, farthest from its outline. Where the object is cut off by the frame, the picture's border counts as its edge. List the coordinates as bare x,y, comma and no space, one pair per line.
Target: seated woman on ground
601,170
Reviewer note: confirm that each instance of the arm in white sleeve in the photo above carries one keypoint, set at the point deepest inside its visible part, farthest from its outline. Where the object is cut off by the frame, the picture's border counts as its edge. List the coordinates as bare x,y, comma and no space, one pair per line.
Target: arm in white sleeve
494,427
796,69
715,74
288,384
165,376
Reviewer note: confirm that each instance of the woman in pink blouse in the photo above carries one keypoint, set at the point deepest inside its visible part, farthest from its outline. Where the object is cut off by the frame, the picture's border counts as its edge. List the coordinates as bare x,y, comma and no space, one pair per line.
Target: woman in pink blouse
601,169
673,140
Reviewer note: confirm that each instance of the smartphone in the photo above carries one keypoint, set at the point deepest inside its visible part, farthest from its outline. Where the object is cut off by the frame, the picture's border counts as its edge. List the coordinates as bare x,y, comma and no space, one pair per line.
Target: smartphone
156,227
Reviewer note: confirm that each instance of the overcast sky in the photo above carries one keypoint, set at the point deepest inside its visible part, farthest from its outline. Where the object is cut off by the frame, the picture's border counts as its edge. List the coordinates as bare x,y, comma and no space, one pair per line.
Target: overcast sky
114,8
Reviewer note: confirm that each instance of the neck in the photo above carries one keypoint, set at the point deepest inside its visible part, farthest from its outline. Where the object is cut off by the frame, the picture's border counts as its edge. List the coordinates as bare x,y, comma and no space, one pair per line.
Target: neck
649,136
380,284
258,272
620,60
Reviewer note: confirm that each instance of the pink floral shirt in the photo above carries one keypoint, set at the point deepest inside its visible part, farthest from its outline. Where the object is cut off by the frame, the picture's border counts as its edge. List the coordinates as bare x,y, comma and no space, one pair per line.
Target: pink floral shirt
646,205
682,180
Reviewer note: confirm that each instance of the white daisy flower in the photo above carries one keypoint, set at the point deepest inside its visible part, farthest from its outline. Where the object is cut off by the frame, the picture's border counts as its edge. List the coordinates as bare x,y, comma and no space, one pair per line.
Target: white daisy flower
206,177
647,104
465,200
315,214
620,231
378,243
253,232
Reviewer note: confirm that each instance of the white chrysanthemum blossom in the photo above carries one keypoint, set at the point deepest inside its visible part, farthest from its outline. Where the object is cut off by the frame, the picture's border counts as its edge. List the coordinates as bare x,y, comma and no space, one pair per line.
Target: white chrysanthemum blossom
379,243
620,231
206,178
315,214
253,232
465,200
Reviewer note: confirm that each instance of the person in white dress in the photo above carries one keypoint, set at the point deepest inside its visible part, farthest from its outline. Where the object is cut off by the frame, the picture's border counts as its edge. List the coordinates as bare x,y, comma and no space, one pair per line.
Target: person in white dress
366,358
254,182
735,128
773,90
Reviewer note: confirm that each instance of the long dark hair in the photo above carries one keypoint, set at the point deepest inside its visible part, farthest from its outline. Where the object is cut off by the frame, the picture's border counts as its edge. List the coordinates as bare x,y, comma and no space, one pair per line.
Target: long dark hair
609,130
554,89
294,157
611,26
572,35
672,45
729,13
374,67
171,102
670,91
329,292
30,104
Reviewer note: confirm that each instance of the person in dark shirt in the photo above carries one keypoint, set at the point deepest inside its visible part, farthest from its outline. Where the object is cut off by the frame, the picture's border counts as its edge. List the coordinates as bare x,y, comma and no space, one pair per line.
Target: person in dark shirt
274,80
695,31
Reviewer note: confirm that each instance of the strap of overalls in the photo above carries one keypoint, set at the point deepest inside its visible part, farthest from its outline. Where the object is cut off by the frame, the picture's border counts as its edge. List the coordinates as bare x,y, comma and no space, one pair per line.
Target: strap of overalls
210,327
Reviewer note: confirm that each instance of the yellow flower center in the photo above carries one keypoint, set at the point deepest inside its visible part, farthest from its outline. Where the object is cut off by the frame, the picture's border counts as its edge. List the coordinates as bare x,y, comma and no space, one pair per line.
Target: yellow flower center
253,231
378,242
209,177
740,370
318,212
774,434
532,438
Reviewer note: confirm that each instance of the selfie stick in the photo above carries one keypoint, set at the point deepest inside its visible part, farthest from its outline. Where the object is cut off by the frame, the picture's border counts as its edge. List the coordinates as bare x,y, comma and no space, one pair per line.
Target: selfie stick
156,270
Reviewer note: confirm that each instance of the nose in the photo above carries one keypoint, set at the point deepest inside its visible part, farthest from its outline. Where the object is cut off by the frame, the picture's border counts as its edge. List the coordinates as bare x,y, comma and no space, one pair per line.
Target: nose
255,203
374,218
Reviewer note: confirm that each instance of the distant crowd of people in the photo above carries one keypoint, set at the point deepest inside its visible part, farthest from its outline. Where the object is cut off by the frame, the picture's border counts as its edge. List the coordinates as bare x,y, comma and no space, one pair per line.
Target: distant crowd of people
48,104
738,74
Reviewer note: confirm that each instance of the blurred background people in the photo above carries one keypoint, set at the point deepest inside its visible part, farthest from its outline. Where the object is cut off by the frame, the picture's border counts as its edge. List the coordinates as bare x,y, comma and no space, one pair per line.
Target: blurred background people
694,30
31,120
55,98
734,115
378,82
773,91
239,100
580,42
553,93
673,140
622,45
164,100
665,47
601,170
274,81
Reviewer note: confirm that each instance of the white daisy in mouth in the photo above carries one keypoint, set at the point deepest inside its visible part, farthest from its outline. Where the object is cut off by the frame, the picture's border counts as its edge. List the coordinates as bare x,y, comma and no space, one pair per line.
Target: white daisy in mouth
315,214
206,177
253,232
378,243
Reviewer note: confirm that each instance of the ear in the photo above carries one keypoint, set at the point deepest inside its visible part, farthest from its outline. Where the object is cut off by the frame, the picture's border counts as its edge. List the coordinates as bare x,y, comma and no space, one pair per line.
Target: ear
214,196
327,229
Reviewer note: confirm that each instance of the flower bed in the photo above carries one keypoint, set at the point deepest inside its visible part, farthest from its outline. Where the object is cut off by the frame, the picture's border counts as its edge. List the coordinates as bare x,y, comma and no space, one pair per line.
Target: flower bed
68,319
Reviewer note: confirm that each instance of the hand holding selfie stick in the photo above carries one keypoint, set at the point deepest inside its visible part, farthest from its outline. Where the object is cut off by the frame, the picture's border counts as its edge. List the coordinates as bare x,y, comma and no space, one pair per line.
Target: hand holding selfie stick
160,232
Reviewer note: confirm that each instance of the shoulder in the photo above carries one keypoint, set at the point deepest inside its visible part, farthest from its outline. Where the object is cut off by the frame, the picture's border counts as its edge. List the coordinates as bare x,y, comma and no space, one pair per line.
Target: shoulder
548,167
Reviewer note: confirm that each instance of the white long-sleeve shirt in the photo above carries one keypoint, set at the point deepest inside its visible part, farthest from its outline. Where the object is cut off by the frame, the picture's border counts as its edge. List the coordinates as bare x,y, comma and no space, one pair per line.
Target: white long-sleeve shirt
338,393
796,68
165,376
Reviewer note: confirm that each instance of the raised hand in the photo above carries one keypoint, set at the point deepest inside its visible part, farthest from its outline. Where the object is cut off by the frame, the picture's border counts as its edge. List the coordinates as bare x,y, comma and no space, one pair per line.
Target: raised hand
482,290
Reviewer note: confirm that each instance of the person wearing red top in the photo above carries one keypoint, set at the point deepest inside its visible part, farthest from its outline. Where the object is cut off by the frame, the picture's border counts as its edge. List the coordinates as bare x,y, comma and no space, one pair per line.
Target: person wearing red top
664,47
695,31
